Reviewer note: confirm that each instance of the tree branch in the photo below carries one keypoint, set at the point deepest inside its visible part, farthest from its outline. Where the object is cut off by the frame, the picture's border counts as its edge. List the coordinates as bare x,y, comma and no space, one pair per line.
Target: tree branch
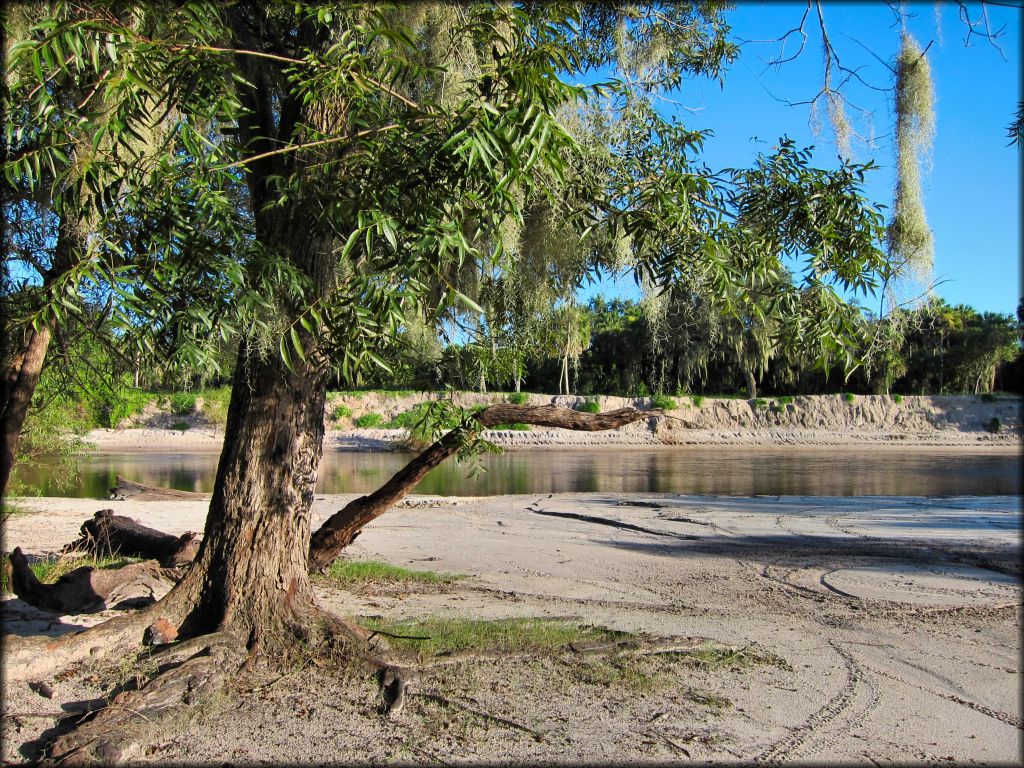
343,526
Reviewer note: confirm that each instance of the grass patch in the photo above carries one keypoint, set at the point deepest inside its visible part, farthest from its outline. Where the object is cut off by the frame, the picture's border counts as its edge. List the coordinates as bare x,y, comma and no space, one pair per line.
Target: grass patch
590,405
215,404
760,403
708,699
369,420
181,426
897,399
341,412
349,572
785,400
987,397
664,402
698,400
183,403
51,569
440,636
518,398
635,674
711,656
518,427
849,397
993,425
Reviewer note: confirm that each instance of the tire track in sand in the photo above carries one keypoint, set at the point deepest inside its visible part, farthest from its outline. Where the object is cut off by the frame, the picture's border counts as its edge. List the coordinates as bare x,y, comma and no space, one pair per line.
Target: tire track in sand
836,715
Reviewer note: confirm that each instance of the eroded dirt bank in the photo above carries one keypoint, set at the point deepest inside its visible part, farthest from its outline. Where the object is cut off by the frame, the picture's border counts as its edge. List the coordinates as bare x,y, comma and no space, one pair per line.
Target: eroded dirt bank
827,420
866,630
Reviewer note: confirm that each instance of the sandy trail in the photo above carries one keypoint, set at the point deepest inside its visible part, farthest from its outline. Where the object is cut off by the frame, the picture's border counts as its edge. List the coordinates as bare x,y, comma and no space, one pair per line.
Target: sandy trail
896,622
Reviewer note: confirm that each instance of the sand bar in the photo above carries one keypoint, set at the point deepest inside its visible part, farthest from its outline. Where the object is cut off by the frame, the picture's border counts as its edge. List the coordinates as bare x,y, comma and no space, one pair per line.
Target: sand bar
896,622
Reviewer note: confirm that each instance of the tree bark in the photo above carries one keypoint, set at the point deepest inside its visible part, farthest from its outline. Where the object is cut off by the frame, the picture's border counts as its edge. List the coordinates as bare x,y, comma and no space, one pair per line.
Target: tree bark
751,384
25,369
19,397
250,575
342,527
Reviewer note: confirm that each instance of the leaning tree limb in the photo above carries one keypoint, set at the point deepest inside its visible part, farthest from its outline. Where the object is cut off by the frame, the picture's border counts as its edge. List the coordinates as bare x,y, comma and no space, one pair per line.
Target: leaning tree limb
343,526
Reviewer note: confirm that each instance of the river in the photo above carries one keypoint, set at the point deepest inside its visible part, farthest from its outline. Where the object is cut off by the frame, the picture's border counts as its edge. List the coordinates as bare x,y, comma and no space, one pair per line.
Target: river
683,470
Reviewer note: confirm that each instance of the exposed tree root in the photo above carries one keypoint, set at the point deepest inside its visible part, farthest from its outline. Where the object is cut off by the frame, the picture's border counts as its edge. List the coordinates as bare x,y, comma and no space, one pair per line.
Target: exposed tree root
430,696
87,589
635,646
112,734
191,671
30,657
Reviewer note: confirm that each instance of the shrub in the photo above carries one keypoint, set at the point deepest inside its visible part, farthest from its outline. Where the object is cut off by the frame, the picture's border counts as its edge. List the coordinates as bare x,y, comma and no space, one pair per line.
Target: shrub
183,402
215,404
698,400
341,412
518,398
590,405
994,426
369,420
849,397
112,406
409,419
664,402
897,399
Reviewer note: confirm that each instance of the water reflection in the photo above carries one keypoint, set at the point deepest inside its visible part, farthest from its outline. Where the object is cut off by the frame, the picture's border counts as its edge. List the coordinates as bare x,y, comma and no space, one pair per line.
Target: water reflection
714,471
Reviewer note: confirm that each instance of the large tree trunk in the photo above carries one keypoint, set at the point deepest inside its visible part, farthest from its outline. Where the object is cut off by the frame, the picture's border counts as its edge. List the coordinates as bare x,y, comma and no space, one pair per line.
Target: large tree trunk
26,367
22,380
250,575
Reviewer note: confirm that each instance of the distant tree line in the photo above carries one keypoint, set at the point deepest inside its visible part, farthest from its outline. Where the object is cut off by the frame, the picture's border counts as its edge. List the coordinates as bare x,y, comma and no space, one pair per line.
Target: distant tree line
688,347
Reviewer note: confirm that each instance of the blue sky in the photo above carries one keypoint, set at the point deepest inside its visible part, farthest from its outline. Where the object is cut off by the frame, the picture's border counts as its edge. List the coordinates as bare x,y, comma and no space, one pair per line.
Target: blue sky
972,193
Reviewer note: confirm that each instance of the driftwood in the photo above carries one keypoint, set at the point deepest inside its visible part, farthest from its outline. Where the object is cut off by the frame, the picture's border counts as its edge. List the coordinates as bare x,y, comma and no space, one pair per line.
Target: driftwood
343,526
108,534
126,489
87,588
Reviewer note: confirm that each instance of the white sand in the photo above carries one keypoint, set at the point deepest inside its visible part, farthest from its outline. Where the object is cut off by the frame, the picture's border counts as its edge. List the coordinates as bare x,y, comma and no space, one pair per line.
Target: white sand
895,618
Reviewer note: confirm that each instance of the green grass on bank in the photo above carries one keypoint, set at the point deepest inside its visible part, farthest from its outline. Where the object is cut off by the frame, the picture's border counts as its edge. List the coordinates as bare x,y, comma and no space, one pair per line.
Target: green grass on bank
347,573
437,636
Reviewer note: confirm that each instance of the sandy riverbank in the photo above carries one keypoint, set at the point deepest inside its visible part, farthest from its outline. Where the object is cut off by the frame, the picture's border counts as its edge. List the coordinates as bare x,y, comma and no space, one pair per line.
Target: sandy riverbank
821,420
893,625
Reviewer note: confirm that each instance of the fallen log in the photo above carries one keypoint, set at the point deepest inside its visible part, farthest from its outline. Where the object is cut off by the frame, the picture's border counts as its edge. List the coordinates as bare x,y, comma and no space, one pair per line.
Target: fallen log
127,489
109,534
88,589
